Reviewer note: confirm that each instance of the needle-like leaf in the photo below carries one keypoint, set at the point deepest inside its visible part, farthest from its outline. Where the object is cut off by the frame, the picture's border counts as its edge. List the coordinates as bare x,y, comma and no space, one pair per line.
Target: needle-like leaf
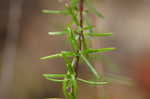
56,33
73,14
74,3
98,34
65,87
72,39
88,27
55,80
90,66
55,11
51,56
101,50
53,75
92,82
68,54
74,86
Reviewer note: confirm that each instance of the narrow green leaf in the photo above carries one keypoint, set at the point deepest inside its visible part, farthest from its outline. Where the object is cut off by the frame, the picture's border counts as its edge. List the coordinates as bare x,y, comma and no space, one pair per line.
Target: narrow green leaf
54,80
74,86
68,54
101,50
74,83
98,34
56,33
74,3
88,27
73,14
66,59
69,69
54,11
65,87
90,66
52,56
92,82
53,75
72,39
74,61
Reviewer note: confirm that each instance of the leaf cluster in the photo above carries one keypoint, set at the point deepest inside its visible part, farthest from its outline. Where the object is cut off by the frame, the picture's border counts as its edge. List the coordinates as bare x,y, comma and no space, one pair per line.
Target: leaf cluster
80,48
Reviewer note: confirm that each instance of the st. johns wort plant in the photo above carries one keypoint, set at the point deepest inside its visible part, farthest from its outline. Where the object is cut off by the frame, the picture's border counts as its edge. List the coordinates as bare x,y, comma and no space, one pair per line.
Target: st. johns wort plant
78,33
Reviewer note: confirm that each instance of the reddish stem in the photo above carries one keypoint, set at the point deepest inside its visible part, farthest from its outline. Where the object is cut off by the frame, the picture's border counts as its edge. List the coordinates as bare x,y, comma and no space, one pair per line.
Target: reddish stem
81,37
81,12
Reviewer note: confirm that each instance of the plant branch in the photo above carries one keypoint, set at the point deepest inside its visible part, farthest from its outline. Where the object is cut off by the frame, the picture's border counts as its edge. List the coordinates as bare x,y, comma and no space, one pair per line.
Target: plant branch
81,36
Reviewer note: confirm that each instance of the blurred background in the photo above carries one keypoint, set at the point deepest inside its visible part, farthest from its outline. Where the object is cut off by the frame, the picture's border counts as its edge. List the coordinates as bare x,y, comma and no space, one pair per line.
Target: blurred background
24,39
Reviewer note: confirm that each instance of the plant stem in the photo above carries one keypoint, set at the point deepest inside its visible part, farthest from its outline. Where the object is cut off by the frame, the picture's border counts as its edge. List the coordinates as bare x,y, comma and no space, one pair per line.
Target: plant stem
81,36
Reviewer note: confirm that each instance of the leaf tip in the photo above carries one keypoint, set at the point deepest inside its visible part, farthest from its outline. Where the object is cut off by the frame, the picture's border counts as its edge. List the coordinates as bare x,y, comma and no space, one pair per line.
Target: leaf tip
45,11
113,48
42,58
44,75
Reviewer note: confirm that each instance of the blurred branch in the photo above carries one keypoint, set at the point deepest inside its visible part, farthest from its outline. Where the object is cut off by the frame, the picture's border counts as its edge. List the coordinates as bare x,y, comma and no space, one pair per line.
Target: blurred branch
10,48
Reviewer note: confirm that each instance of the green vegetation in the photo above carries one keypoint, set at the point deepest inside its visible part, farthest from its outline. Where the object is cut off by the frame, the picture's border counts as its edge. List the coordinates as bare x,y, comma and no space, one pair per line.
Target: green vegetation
78,32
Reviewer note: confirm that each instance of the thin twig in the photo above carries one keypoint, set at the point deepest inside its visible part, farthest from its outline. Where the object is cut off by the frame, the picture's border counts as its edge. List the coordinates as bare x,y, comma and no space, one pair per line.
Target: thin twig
81,36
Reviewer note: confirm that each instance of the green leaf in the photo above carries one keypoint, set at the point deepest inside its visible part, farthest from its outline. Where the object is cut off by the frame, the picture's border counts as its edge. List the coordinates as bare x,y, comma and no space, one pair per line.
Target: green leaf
54,11
68,54
101,50
98,34
90,66
66,59
56,33
74,61
65,87
72,39
70,69
52,56
92,82
54,80
73,14
74,3
74,87
53,75
88,27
